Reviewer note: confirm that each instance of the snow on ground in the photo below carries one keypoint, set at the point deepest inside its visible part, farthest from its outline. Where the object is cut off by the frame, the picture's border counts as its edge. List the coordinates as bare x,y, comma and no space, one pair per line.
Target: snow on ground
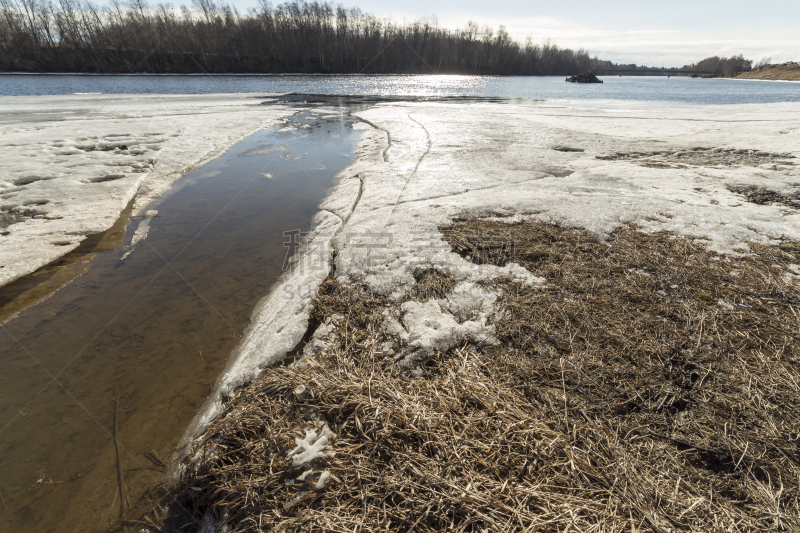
589,165
524,161
71,164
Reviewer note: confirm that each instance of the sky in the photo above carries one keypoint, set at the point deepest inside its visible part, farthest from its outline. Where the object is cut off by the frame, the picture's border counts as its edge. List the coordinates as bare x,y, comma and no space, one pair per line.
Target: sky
645,32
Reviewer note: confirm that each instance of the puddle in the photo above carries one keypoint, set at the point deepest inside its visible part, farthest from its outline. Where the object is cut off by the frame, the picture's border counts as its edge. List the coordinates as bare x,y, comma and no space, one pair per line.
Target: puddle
153,330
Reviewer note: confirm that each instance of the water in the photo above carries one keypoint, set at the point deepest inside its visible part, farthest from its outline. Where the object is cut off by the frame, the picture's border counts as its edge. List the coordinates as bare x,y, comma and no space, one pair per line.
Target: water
150,336
641,88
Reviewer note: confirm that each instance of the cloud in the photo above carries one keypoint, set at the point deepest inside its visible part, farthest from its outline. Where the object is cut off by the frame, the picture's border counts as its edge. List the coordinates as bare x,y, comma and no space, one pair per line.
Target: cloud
669,36
656,47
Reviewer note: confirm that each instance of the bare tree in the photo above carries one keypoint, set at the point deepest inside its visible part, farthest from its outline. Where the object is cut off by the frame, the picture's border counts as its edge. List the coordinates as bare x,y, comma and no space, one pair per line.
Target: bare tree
295,36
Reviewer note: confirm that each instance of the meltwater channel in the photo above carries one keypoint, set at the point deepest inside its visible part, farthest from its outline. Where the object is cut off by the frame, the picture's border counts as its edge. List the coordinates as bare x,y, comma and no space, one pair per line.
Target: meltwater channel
137,343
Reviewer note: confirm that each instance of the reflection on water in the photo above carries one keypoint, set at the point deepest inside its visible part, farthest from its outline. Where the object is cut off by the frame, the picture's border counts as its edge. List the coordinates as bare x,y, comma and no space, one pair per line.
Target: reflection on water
153,331
646,88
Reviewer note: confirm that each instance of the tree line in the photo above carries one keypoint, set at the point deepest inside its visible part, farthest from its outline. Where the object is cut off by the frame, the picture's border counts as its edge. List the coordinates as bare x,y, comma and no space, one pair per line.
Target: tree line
293,37
724,66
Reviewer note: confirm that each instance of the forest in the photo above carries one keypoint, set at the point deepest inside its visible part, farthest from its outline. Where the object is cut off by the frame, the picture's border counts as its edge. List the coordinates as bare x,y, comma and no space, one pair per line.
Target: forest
723,66
293,37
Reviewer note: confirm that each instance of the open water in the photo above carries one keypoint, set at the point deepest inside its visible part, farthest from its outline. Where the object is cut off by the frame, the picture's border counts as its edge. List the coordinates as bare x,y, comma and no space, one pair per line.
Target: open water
675,90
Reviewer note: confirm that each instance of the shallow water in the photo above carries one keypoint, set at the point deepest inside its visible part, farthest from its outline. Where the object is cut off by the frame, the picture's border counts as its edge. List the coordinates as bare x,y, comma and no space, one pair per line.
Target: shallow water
153,331
642,88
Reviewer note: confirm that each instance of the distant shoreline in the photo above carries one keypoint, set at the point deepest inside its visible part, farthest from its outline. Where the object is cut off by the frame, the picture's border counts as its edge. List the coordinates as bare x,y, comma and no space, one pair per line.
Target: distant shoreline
776,80
252,75
742,76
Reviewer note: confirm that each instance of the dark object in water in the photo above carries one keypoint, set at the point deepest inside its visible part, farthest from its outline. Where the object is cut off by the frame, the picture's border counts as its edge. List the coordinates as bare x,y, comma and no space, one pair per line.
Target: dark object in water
585,77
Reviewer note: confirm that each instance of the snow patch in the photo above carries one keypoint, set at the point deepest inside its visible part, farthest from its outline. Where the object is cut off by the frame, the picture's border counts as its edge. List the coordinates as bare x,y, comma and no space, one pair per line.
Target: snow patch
324,480
314,446
725,304
424,328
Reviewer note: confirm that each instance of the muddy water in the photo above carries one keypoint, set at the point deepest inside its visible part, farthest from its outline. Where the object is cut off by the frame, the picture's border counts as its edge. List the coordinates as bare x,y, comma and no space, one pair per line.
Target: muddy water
146,336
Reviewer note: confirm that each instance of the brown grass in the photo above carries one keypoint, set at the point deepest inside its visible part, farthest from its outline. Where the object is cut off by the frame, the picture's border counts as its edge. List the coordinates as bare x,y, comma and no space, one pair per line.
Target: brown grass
698,398
651,386
777,73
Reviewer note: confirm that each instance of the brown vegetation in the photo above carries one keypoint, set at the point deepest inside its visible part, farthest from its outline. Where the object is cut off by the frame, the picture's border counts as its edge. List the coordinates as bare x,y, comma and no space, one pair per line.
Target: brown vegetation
790,72
703,157
651,385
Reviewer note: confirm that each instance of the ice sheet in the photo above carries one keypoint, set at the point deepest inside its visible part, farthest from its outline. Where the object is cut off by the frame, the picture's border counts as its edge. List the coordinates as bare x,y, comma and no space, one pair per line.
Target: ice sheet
72,163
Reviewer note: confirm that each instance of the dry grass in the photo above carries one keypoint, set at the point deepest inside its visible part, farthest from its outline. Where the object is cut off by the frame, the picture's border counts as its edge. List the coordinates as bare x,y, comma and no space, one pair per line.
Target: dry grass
761,196
703,157
681,364
651,386
777,73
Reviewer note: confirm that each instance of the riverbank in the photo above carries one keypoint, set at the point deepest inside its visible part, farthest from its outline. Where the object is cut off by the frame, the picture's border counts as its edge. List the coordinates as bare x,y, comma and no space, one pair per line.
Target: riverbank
790,73
433,316
593,402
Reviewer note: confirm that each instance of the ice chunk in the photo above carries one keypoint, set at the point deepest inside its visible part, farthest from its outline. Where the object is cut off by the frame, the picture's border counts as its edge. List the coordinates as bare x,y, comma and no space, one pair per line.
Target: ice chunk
265,149
141,232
